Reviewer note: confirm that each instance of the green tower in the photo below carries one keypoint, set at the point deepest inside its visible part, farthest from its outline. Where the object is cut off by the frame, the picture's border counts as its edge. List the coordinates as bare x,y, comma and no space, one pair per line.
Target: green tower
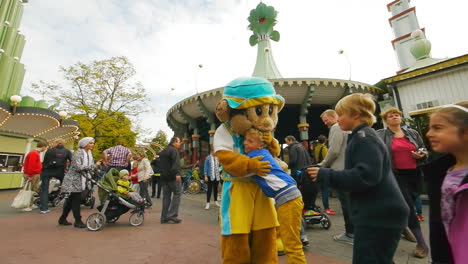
11,48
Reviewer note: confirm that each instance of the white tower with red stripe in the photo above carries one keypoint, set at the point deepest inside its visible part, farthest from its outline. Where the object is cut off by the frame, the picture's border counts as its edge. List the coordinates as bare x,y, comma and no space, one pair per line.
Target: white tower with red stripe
403,23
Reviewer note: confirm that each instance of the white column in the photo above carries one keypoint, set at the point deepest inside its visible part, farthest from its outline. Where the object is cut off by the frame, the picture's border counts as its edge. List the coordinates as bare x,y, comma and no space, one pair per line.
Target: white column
28,146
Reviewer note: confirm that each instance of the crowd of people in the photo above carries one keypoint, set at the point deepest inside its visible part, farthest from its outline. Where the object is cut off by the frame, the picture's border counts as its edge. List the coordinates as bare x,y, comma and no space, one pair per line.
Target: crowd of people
377,176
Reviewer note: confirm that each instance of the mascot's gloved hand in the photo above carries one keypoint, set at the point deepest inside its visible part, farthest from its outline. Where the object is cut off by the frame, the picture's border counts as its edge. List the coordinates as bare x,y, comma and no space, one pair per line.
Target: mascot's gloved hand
272,144
258,167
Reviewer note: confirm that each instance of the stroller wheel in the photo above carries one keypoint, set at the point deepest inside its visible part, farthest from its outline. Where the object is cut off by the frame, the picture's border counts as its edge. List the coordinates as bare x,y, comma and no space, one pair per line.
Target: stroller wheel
37,202
92,201
95,221
194,187
325,222
136,218
56,201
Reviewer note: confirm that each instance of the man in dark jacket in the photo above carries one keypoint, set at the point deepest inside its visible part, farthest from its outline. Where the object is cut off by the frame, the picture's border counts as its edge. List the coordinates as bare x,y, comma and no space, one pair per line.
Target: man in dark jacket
298,159
54,165
171,181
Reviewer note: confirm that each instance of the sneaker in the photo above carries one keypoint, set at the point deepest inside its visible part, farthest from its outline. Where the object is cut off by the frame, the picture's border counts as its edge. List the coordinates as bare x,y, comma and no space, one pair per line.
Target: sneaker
34,206
343,238
174,220
44,212
207,206
217,203
281,253
420,217
329,212
421,251
305,242
27,209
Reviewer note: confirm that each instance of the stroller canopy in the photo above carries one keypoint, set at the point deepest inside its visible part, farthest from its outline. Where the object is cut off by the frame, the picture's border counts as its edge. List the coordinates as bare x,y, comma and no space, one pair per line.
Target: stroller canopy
109,183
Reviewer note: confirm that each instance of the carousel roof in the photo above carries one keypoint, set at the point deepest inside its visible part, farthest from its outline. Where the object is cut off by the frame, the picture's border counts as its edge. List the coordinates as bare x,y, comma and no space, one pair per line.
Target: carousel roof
294,90
36,122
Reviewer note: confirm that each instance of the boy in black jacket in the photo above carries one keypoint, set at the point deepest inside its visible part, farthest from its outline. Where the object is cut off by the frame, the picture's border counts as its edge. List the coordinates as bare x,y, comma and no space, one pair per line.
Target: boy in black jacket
378,209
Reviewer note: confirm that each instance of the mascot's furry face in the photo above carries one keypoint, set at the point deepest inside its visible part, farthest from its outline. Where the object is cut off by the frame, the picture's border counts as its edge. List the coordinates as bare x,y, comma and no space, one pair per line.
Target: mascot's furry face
262,117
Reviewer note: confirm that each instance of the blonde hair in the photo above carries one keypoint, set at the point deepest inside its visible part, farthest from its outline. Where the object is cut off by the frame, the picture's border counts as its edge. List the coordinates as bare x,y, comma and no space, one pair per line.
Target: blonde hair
392,110
456,115
255,133
358,103
329,112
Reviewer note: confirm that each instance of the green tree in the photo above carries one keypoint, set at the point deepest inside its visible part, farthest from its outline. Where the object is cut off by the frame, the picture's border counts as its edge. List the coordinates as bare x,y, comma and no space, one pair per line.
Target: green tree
100,94
161,140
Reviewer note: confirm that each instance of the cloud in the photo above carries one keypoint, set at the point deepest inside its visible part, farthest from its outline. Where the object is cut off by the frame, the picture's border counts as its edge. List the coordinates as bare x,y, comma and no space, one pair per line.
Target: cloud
166,40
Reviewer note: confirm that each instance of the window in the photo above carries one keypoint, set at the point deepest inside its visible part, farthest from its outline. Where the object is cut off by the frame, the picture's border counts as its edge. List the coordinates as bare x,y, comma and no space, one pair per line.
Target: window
10,162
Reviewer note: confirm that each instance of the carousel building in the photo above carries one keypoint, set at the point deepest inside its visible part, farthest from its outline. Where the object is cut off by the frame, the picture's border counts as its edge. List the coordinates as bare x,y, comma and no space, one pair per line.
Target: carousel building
193,118
23,121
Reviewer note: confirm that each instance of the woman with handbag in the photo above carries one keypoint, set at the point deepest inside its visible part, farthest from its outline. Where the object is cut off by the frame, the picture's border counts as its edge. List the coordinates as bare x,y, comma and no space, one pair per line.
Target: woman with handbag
408,152
82,165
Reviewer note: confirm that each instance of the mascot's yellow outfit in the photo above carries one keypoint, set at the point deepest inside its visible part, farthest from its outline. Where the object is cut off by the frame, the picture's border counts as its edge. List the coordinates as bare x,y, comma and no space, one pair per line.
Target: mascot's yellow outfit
248,217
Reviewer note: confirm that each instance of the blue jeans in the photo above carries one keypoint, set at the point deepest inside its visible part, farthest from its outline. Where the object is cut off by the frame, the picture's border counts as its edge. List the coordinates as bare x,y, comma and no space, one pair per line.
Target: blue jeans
418,205
44,192
325,194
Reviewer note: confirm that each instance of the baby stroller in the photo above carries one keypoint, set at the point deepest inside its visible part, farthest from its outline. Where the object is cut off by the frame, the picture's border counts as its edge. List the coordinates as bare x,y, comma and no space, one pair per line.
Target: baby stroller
55,197
312,214
113,205
87,197
316,216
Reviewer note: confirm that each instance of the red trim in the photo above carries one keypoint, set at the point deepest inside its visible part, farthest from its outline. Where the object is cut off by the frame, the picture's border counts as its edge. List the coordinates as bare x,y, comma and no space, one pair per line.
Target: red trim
413,9
405,36
401,71
392,3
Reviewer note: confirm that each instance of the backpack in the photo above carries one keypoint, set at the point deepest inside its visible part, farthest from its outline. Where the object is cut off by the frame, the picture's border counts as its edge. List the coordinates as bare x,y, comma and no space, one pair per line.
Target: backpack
58,158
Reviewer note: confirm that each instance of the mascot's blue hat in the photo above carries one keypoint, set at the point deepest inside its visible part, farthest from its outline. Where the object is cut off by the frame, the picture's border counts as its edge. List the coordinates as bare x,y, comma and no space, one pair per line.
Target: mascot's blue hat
246,92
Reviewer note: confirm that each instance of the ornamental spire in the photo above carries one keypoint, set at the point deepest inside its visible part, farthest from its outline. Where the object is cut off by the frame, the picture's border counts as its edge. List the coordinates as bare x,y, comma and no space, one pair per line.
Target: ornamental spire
262,19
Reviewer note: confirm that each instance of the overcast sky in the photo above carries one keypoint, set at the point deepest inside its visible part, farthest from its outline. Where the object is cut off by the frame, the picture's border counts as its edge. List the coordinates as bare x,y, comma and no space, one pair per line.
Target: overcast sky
166,40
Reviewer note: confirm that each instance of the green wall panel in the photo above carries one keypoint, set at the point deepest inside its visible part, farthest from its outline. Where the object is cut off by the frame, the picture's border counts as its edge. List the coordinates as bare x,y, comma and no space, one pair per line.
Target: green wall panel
4,7
6,68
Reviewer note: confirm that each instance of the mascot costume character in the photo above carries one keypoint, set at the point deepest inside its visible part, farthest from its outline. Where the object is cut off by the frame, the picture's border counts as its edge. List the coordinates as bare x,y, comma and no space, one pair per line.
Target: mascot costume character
248,218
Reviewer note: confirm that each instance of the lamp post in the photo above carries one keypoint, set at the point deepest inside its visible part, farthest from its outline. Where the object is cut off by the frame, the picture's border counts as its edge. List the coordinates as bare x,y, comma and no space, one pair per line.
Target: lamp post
199,66
341,52
62,115
15,99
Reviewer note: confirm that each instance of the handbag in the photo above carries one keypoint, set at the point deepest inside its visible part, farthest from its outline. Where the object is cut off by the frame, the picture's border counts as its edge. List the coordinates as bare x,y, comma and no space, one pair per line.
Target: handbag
24,197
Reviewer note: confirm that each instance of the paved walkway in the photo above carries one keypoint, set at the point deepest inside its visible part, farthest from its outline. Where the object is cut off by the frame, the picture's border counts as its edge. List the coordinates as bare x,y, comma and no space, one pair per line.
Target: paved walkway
28,237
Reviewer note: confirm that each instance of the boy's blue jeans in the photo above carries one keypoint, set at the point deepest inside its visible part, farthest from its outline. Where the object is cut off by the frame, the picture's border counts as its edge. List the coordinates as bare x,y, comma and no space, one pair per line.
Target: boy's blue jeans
418,205
325,194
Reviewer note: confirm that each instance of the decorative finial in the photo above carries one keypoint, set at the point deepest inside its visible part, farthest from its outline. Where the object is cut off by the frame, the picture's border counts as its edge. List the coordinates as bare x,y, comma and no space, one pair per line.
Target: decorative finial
421,47
262,20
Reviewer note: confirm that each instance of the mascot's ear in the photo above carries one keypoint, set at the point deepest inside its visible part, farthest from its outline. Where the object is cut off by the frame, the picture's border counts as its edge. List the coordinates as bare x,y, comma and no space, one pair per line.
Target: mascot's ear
222,110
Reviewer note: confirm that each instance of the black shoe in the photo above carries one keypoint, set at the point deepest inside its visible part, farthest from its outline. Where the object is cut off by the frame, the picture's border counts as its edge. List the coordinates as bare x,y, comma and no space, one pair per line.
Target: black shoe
174,220
157,197
79,224
152,196
63,222
164,221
